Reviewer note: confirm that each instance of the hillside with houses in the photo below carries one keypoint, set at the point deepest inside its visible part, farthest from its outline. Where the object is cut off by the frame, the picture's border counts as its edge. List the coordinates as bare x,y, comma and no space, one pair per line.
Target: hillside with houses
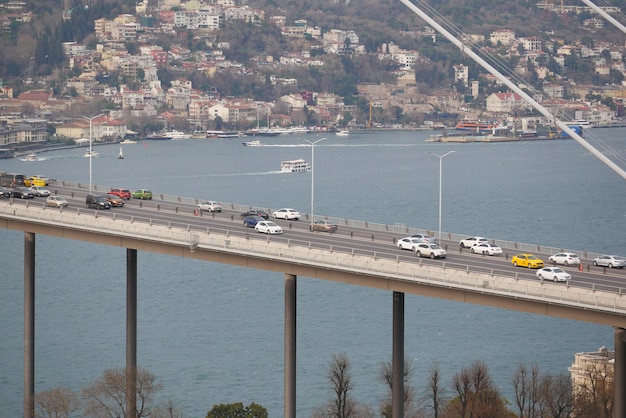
230,65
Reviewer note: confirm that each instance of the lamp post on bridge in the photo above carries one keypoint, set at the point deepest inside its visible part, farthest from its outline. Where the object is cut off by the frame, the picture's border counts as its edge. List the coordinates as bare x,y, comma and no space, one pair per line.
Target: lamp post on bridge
440,175
312,143
90,119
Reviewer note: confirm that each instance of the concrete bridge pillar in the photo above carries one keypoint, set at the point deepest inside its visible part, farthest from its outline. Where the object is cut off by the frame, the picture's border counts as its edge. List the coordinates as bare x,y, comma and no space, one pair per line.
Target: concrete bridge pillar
29,325
131,333
290,345
619,406
397,367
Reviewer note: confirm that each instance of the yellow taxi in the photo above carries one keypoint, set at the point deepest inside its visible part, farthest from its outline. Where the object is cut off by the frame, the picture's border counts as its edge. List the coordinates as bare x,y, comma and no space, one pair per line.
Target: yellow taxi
527,260
35,181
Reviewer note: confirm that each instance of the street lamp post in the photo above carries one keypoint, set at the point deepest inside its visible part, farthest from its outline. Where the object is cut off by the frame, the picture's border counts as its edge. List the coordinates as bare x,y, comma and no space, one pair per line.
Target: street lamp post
312,143
440,175
90,119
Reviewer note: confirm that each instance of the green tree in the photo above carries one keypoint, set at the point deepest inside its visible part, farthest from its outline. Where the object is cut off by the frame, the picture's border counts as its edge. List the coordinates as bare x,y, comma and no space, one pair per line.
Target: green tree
237,410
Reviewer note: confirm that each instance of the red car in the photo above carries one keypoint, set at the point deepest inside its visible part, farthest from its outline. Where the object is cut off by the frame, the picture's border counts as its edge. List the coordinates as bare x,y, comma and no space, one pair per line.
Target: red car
123,193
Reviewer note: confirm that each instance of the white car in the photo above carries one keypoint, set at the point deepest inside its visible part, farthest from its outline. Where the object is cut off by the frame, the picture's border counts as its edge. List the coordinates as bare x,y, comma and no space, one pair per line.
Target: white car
268,227
40,191
485,248
56,201
567,259
286,213
408,243
471,241
555,274
425,238
610,261
209,206
425,249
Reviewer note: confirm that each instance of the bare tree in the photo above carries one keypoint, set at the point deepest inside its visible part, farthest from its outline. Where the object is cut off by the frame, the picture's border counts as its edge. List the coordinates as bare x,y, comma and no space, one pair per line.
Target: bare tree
386,376
526,383
56,403
340,377
556,396
477,394
595,396
106,396
435,391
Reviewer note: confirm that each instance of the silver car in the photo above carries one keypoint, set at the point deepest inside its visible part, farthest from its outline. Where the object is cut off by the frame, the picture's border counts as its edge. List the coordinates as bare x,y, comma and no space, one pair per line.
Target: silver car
209,206
56,201
610,261
40,191
430,250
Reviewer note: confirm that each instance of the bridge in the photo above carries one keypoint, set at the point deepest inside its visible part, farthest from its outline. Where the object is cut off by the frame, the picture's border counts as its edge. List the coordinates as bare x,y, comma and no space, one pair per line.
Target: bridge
359,253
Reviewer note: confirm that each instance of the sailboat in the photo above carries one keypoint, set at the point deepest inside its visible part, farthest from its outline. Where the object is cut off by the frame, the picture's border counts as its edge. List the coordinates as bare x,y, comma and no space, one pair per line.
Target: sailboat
120,155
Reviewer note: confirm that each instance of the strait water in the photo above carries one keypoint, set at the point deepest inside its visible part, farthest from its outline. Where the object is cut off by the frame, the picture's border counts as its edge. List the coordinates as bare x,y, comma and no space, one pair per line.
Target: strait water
214,333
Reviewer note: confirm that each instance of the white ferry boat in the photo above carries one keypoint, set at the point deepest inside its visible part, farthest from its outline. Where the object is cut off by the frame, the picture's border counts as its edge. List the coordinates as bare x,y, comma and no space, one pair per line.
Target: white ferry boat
294,166
91,154
31,157
174,134
583,123
255,143
343,132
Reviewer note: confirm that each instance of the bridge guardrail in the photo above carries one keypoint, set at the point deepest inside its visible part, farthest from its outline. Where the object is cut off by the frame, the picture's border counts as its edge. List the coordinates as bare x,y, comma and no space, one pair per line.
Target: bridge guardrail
400,229
385,265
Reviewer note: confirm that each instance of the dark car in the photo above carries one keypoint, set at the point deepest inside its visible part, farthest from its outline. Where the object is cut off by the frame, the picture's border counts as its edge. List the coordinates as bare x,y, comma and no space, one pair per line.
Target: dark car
23,193
255,212
97,202
251,221
4,192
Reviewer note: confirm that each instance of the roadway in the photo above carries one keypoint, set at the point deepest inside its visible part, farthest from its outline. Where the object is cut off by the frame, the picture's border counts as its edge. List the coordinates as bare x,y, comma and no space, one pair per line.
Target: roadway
359,240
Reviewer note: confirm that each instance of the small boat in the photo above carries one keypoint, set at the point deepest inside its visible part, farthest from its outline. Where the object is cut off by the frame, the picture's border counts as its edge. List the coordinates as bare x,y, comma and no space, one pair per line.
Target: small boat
255,143
294,166
120,156
343,132
31,157
91,154
128,141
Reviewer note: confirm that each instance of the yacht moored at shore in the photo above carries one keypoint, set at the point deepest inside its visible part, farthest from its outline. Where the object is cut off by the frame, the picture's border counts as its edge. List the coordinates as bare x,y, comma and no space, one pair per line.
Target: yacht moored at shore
295,166
174,134
128,141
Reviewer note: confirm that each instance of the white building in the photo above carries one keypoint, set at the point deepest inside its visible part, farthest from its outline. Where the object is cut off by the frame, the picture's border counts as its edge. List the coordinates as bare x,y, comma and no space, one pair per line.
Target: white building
593,366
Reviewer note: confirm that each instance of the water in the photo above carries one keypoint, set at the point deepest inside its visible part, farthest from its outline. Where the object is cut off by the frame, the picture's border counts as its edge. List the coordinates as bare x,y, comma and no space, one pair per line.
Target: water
213,333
